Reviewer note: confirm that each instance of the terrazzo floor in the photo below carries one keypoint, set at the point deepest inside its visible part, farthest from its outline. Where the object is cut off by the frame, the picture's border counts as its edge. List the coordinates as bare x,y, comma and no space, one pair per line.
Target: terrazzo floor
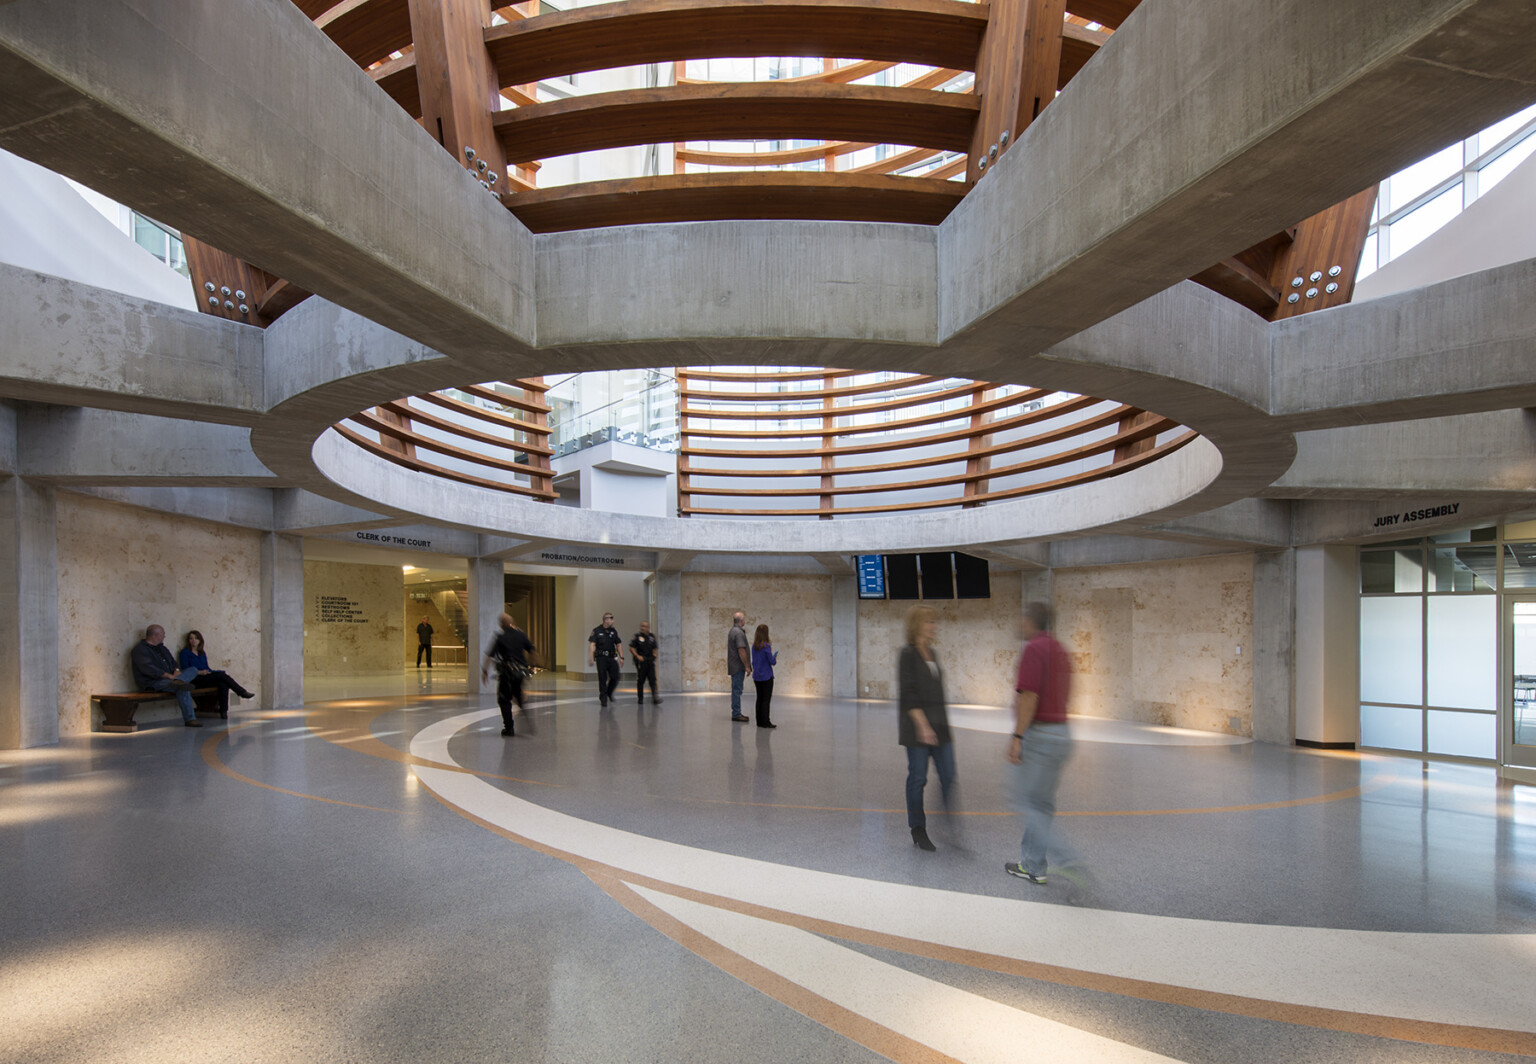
387,879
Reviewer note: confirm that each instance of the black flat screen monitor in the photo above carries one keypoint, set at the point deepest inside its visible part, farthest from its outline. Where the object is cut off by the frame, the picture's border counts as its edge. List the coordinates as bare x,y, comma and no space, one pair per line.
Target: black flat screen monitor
901,576
972,577
938,575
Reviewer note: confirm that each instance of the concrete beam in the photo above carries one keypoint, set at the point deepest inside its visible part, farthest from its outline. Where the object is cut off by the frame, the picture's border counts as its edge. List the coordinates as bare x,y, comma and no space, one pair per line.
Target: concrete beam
1463,456
296,510
505,547
434,538
443,262
674,560
836,564
1090,551
1319,521
1017,556
66,342
1248,523
1460,346
1175,149
74,445
7,438
240,507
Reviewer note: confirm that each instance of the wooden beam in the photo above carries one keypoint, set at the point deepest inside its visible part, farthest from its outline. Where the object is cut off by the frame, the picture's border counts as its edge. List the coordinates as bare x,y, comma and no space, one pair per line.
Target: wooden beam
233,280
457,83
1326,251
1017,70
744,111
766,194
939,33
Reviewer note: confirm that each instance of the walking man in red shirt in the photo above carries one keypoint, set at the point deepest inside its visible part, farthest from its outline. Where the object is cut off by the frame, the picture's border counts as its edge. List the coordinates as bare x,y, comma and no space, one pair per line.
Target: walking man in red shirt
1040,743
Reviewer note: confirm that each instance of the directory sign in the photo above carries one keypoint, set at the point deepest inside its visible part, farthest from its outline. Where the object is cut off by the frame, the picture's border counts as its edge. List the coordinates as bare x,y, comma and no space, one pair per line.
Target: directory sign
871,576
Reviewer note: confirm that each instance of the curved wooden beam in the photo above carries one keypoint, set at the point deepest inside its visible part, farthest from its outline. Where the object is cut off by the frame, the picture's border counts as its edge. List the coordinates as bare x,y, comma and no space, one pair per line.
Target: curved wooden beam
745,111
769,158
367,30
1082,402
758,194
940,33
1160,451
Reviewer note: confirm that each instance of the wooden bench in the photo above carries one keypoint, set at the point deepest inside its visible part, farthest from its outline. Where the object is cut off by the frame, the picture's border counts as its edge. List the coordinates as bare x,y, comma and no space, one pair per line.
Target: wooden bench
117,710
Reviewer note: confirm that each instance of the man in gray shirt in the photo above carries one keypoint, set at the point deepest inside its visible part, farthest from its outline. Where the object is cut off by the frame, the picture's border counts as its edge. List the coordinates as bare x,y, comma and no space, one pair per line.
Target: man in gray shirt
154,669
737,662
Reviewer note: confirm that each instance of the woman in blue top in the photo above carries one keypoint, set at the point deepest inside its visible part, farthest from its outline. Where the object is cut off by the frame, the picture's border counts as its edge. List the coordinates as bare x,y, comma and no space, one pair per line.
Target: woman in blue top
195,656
763,661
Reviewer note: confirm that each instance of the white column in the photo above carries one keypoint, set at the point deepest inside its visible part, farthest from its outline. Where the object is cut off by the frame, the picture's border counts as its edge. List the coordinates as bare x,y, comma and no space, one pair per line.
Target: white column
1274,646
29,615
282,621
1327,647
487,602
668,591
845,636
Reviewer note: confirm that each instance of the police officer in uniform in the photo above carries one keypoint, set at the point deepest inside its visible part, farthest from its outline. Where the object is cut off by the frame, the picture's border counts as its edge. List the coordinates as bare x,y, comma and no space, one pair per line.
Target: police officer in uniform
509,653
643,646
605,649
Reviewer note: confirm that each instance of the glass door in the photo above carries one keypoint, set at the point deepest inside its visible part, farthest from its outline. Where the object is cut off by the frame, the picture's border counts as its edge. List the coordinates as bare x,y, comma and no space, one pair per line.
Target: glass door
1518,729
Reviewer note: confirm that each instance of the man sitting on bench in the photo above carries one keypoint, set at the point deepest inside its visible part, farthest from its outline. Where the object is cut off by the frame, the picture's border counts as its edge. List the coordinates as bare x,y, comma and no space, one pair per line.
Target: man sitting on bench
155,669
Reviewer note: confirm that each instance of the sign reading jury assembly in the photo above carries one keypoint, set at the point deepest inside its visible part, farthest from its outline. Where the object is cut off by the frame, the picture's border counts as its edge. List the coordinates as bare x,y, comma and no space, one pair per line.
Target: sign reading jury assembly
1409,516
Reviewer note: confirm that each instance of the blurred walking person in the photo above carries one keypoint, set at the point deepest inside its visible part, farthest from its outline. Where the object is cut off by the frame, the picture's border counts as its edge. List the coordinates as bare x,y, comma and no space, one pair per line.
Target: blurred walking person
509,653
1040,745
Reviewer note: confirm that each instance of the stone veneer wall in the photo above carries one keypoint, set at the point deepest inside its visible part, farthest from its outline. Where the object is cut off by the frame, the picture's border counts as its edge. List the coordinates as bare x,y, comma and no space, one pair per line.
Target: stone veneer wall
122,569
1158,642
797,611
354,619
977,644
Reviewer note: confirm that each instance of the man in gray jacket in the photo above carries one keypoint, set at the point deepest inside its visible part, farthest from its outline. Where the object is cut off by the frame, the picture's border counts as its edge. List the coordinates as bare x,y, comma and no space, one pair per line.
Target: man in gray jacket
155,669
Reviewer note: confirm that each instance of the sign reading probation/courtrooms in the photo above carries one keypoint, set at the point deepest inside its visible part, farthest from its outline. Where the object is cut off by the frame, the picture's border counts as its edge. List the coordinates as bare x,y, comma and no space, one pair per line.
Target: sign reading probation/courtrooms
1406,517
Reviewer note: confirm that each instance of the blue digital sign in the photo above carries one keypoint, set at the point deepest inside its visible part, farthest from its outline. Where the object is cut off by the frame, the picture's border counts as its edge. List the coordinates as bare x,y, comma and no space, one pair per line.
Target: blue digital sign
871,575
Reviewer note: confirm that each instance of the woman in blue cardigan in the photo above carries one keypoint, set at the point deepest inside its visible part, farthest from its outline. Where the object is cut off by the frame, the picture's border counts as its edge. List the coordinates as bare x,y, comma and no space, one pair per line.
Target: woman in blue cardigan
763,661
194,655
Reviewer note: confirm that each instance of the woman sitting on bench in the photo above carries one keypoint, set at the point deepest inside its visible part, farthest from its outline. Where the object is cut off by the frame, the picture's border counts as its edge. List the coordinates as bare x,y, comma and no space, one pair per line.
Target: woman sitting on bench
195,656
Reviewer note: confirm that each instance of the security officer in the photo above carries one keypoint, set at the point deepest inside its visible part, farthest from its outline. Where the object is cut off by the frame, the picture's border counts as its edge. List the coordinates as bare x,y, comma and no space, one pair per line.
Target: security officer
607,647
643,647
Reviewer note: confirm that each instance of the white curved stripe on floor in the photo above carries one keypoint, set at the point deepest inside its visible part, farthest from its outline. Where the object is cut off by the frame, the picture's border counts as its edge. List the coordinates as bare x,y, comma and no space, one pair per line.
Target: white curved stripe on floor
1478,980
955,1022
1095,729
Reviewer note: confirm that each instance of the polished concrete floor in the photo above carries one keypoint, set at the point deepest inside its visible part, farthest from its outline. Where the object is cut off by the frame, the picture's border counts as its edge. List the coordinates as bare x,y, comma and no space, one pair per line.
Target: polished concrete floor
387,878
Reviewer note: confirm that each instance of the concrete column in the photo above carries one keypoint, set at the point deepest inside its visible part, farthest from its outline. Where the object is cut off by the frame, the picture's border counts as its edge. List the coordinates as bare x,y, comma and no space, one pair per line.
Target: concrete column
667,592
282,621
1274,646
1036,585
1327,647
845,636
487,601
29,615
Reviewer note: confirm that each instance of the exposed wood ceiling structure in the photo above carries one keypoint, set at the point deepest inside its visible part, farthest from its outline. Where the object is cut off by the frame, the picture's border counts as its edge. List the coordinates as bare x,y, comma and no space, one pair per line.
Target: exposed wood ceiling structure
482,68
471,77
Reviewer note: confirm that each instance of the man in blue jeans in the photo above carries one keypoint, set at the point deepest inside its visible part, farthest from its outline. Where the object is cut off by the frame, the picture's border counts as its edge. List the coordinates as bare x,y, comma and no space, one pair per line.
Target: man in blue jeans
737,661
1040,745
154,669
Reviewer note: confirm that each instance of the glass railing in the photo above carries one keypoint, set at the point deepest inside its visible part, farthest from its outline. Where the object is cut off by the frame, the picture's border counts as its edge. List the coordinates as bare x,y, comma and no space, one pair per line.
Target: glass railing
637,407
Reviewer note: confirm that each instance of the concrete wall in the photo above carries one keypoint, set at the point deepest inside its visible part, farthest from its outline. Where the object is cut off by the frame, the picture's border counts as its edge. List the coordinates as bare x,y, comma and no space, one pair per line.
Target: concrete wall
977,645
354,618
1159,643
796,609
579,607
123,569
